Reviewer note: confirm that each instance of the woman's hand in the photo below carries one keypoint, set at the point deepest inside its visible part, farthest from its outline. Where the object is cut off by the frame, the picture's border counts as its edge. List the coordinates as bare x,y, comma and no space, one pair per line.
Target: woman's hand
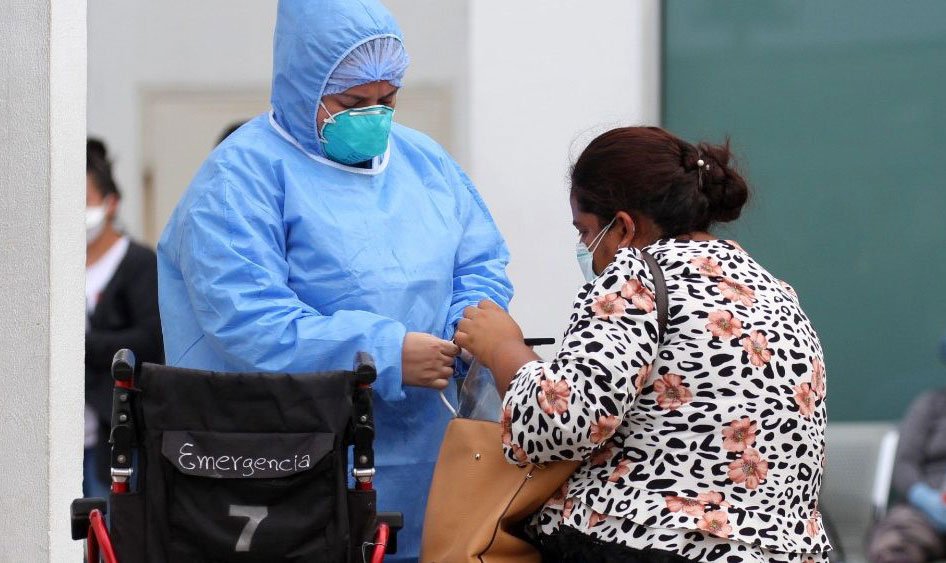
486,329
427,361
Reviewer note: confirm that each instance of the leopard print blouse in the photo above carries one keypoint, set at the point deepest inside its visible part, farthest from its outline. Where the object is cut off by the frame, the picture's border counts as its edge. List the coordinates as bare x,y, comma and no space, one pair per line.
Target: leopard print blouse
710,443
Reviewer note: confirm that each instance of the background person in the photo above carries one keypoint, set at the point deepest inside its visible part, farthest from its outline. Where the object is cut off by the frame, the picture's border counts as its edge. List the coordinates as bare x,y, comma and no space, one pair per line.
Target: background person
322,229
228,130
914,529
121,290
705,446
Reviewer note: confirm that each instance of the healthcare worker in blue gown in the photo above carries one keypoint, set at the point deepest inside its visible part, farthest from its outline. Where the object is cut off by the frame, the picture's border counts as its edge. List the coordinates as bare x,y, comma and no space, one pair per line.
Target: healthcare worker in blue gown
321,229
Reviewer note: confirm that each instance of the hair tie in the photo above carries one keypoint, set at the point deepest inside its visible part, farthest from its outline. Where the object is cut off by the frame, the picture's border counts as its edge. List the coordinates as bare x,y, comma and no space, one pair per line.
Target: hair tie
700,166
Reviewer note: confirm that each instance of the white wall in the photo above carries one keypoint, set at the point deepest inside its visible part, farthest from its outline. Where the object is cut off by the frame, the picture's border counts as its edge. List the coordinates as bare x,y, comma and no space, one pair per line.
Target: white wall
545,76
42,178
436,36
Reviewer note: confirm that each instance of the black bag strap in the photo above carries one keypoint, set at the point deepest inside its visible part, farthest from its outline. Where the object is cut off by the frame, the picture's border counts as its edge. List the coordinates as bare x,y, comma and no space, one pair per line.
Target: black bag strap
660,287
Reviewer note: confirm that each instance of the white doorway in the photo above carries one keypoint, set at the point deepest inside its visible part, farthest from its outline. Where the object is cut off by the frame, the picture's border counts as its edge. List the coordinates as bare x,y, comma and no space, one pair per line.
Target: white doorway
180,129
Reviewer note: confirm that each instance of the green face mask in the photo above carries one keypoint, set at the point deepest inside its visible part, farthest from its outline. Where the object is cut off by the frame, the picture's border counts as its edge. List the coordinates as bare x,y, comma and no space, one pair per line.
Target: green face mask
356,135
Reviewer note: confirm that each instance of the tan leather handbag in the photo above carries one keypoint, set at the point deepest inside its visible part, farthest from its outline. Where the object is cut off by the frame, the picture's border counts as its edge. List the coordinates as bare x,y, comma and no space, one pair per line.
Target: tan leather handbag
479,501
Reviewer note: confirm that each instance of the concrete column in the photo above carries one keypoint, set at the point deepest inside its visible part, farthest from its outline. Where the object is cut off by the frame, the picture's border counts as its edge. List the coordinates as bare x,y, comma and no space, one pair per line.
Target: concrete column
545,77
42,250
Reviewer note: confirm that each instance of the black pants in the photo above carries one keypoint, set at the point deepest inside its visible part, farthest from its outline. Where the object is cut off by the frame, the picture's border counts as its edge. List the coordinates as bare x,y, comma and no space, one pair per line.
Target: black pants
568,545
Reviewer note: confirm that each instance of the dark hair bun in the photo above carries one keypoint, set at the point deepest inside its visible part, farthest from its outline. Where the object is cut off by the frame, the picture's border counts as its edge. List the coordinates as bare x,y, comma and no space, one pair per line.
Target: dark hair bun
655,173
724,187
96,148
99,167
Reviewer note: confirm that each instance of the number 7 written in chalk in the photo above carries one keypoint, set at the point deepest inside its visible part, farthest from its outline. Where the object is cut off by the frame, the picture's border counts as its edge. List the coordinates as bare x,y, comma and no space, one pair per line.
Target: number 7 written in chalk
256,514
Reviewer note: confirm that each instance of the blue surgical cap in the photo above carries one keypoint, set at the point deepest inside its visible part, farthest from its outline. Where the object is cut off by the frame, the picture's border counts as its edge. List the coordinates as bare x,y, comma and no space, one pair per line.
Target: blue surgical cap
380,59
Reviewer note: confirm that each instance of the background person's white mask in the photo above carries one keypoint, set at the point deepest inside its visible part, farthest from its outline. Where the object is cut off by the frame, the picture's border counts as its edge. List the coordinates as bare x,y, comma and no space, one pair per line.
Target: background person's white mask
94,223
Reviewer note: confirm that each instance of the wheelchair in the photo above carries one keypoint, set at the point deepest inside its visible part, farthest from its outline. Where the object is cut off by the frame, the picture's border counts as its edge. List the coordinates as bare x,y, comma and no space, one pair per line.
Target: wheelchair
243,467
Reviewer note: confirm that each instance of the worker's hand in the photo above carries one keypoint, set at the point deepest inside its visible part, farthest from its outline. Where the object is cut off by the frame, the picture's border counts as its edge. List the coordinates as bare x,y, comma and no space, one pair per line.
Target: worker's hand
427,361
929,501
484,328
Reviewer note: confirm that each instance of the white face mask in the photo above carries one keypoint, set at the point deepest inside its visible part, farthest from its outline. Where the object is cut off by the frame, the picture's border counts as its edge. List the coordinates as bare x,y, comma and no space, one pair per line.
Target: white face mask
94,223
586,254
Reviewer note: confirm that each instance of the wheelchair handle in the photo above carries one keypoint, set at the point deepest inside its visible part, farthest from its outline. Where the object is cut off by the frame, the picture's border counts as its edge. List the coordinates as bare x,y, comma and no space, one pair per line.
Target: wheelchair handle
122,437
365,371
363,433
123,365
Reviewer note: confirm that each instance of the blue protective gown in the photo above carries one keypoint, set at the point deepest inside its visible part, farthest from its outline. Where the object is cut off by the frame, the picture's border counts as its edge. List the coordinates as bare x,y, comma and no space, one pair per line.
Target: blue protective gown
278,259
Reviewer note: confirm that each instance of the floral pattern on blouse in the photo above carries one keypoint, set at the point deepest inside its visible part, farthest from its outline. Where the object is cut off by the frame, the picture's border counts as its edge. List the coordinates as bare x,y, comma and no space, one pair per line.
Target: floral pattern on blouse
718,433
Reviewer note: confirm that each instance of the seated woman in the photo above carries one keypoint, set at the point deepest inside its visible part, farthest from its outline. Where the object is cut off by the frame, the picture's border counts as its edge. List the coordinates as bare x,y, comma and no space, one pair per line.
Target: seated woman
914,529
705,445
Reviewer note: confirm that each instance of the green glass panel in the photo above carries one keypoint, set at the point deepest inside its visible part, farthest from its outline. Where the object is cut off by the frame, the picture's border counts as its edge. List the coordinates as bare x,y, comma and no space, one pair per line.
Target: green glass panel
838,110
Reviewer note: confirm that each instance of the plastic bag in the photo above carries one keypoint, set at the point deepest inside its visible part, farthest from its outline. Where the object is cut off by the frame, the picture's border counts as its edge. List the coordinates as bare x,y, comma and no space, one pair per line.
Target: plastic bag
479,399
